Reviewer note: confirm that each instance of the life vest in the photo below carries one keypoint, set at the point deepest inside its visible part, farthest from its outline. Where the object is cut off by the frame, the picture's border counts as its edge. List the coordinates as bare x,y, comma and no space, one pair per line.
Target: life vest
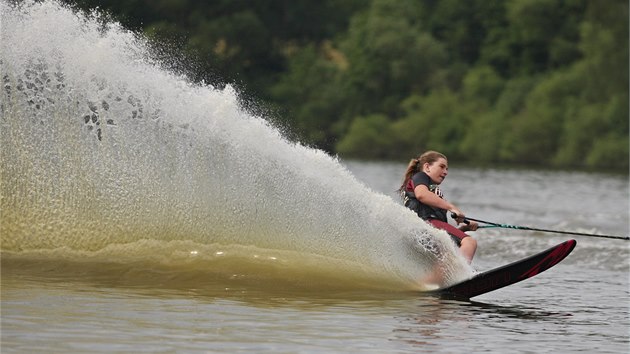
424,211
431,215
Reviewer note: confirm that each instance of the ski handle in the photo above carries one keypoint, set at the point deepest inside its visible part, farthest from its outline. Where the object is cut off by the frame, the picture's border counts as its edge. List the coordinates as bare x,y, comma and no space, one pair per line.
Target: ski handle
467,220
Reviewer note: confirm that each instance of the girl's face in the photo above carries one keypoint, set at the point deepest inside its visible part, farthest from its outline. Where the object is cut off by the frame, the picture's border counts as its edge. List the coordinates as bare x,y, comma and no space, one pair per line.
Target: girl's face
437,170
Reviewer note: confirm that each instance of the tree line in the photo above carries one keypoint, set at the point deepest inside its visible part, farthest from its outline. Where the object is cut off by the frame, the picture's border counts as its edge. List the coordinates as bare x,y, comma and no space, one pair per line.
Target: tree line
525,82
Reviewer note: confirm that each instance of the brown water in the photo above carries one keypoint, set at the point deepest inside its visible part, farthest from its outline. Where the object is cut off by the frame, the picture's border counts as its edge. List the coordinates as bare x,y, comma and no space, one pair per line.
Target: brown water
580,305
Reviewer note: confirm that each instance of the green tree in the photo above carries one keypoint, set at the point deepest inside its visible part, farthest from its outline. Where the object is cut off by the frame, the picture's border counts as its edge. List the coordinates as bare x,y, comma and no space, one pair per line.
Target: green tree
596,127
537,35
369,137
436,121
311,94
488,128
542,82
533,135
463,27
389,56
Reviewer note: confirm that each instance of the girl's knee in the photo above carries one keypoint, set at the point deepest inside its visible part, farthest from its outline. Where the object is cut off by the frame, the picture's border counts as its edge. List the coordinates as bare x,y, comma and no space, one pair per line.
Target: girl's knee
468,248
470,242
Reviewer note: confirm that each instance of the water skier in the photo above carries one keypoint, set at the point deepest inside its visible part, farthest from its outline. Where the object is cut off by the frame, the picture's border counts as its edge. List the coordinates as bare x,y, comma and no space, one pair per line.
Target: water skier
421,193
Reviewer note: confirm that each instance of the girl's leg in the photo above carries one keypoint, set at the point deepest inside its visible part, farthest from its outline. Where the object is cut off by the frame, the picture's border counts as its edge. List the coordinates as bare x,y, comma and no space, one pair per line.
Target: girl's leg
468,248
467,245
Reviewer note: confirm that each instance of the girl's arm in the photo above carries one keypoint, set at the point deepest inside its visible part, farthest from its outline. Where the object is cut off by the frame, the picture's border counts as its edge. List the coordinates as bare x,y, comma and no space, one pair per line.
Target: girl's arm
425,196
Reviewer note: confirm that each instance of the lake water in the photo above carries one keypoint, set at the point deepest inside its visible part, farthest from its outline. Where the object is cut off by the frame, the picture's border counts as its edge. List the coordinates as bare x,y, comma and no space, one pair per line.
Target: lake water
143,213
580,305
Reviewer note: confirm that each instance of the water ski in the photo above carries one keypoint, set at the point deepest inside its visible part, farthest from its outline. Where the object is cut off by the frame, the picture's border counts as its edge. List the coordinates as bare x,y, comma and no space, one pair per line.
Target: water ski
506,275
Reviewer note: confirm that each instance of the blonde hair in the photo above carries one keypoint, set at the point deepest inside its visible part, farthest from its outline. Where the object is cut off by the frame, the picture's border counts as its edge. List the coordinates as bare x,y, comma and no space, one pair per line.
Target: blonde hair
416,164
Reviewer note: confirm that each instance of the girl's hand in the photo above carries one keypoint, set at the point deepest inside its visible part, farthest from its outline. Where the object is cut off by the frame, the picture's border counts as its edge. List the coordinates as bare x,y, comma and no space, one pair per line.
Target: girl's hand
471,226
457,215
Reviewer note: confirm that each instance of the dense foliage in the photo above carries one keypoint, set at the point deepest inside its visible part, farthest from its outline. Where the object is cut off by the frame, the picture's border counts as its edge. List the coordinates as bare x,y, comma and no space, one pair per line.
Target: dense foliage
540,82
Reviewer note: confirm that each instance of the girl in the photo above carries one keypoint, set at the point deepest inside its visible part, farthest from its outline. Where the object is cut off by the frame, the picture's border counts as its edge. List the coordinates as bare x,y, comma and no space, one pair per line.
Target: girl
421,193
